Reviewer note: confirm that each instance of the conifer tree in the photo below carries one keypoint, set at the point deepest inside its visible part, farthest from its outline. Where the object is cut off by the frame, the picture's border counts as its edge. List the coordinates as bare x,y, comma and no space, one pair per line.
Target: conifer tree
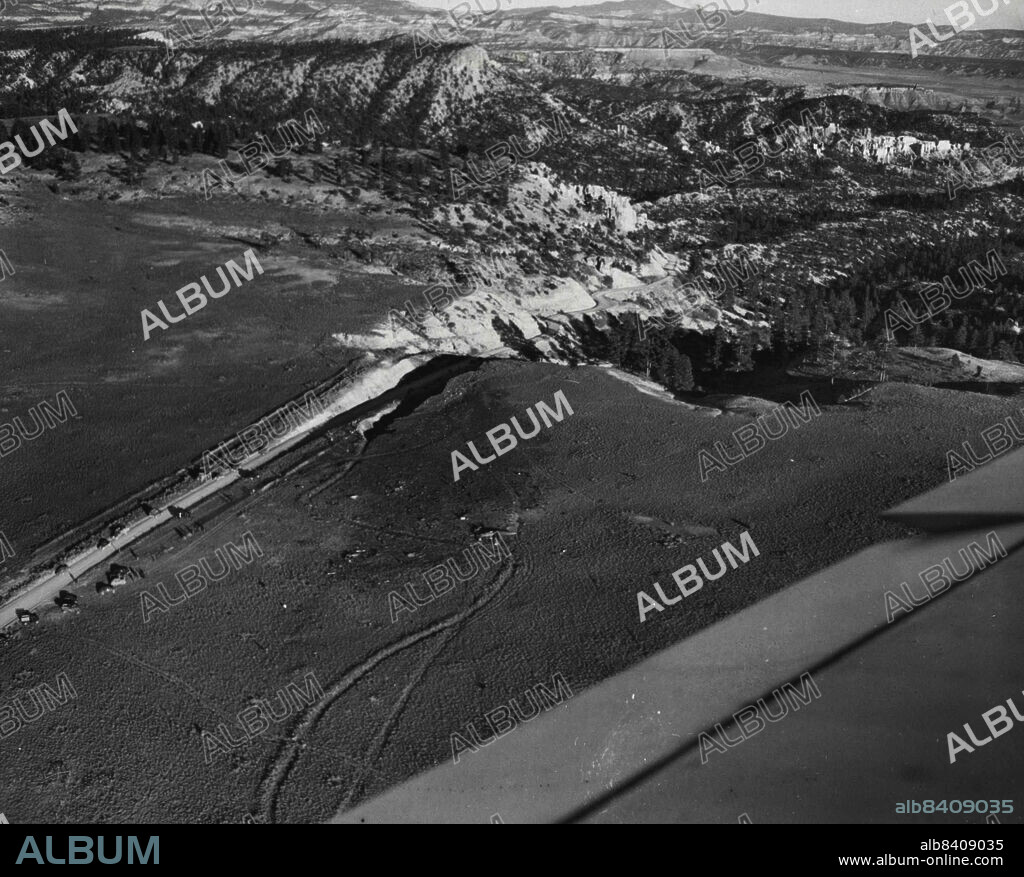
745,352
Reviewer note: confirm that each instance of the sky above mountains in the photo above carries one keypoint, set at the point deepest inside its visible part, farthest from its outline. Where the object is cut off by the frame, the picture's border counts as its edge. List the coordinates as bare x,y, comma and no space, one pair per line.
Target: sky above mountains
1009,14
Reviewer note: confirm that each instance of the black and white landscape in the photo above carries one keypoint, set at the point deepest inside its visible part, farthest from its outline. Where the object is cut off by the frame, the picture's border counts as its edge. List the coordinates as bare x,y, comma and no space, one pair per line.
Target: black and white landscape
377,380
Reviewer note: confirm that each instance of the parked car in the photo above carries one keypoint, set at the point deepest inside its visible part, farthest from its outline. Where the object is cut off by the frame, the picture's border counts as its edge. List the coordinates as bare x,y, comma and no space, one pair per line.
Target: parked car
66,601
118,575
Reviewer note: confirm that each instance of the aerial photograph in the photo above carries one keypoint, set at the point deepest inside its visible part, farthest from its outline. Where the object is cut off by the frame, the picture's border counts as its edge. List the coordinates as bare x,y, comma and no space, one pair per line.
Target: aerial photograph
502,411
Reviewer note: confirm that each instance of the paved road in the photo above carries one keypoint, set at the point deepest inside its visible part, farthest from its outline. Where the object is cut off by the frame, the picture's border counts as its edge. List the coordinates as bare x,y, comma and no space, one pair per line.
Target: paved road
42,590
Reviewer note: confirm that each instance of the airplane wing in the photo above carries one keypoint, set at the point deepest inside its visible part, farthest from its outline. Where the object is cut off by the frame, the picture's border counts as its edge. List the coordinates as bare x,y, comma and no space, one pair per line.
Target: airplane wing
830,701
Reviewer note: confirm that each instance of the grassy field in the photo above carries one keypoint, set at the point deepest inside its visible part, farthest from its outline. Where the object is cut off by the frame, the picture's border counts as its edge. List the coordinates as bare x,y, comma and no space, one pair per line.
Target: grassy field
70,320
594,515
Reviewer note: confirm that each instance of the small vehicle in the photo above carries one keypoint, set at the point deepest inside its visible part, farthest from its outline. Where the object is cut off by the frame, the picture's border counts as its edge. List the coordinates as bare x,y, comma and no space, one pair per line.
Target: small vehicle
118,575
26,617
66,601
178,512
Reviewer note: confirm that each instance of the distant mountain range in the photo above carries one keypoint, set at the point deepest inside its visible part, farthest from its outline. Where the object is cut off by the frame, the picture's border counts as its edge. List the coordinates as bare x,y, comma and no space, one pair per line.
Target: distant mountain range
631,24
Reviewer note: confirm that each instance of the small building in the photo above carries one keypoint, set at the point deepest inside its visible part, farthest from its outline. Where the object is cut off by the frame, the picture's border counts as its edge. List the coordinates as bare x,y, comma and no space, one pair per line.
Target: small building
26,617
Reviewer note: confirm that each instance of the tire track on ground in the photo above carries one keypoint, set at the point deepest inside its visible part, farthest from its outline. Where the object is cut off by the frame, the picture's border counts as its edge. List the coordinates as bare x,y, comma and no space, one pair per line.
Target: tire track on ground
163,674
381,737
282,761
170,677
288,754
405,533
490,599
314,492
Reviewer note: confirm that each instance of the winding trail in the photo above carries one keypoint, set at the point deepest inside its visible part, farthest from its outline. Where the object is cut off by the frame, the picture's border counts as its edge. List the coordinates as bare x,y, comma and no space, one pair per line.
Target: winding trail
288,753
496,594
381,737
